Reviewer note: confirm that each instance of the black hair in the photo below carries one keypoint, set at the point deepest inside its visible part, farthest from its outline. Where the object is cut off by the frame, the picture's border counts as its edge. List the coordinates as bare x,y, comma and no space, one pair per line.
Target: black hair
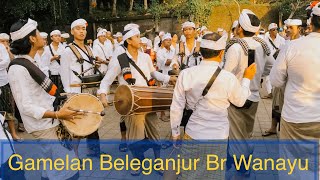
125,44
254,22
21,46
315,22
209,53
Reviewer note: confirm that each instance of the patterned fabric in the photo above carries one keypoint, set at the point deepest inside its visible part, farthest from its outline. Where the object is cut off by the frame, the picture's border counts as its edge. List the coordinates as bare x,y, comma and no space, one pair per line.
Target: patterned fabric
233,41
6,99
264,45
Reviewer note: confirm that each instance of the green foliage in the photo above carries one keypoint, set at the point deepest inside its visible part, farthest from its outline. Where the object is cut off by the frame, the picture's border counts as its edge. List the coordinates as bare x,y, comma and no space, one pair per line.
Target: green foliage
295,8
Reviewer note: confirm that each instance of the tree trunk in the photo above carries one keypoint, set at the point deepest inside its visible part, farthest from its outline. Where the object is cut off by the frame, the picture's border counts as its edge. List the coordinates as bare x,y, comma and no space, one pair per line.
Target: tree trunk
145,4
131,5
114,8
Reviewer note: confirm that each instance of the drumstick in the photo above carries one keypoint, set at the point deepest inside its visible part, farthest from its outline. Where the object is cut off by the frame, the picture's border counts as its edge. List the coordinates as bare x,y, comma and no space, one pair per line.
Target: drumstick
102,113
83,84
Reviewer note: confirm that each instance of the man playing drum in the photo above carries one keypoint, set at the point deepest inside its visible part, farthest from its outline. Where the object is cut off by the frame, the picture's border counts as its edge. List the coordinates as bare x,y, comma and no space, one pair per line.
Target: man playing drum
33,92
77,61
135,68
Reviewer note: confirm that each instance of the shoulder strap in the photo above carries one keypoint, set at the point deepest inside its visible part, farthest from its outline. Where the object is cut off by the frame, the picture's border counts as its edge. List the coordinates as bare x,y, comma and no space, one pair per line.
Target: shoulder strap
90,54
6,133
103,52
213,78
139,70
75,52
274,46
264,45
51,50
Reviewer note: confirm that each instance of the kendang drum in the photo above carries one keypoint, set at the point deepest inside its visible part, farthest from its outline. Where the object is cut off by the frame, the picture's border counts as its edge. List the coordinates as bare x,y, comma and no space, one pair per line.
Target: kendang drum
93,111
129,100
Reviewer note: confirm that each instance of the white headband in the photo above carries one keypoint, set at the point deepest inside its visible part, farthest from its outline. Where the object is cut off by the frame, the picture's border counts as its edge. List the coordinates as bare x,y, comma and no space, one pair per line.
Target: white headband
272,26
188,24
220,30
24,30
293,22
65,35
235,24
55,32
79,22
214,45
203,28
316,10
245,22
129,34
43,34
144,40
101,33
4,36
130,26
118,34
166,36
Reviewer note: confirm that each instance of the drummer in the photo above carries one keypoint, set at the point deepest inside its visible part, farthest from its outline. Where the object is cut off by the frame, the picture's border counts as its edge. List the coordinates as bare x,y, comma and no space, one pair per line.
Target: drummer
71,68
33,100
142,126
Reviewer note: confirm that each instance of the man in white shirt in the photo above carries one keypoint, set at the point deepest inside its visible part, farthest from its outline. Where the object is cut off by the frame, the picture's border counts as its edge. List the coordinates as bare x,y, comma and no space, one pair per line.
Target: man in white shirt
142,125
52,55
300,114
74,68
233,29
157,41
64,37
209,119
278,92
190,55
119,38
166,58
35,102
237,56
100,50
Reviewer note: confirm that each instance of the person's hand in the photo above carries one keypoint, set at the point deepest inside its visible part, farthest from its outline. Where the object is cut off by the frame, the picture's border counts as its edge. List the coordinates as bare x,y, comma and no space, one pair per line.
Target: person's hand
173,80
250,72
55,57
103,100
66,114
168,62
176,141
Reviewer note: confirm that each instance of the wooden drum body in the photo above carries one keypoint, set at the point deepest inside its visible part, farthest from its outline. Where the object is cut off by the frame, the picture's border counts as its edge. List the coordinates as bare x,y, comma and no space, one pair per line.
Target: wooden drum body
89,122
129,100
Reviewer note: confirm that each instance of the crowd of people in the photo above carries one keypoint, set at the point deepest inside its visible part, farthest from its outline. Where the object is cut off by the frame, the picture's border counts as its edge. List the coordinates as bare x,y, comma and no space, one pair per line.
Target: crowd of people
216,78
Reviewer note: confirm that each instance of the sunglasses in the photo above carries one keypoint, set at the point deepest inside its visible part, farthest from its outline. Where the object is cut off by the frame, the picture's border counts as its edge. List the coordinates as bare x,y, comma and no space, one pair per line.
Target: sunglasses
274,29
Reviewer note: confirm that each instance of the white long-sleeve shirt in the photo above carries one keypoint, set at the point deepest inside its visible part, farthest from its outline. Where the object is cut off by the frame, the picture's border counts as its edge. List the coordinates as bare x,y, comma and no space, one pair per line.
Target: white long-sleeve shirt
162,56
43,62
4,63
31,99
69,63
297,68
237,62
209,119
278,42
144,62
101,51
54,66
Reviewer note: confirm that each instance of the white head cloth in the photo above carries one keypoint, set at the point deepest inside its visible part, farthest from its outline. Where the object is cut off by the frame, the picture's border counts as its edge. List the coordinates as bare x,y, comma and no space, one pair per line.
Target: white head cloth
130,26
79,22
4,36
161,33
235,24
118,34
102,32
272,26
215,45
316,10
65,35
24,30
188,24
44,34
220,30
293,22
144,40
130,33
245,22
55,32
166,36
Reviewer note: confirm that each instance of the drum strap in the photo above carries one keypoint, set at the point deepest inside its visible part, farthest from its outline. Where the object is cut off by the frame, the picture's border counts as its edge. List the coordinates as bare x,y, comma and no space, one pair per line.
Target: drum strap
58,61
6,133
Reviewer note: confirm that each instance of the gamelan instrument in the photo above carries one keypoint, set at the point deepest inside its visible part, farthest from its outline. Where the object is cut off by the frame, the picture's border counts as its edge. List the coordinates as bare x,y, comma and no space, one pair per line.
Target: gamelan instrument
88,123
129,100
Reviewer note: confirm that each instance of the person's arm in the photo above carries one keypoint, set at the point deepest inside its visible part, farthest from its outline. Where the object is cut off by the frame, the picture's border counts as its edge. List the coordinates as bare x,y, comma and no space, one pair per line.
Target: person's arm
278,74
155,74
65,70
4,58
239,93
178,105
268,66
233,57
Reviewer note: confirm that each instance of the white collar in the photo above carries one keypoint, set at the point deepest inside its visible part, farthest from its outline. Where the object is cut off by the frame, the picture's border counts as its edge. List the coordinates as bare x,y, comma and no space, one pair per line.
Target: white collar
27,57
209,63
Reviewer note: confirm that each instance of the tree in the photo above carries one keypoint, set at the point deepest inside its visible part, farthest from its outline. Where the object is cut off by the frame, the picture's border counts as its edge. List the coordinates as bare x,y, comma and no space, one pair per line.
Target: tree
131,5
114,8
145,4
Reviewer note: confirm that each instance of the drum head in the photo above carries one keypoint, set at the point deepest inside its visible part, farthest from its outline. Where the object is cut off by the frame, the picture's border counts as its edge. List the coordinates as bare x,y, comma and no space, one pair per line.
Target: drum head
89,122
123,100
